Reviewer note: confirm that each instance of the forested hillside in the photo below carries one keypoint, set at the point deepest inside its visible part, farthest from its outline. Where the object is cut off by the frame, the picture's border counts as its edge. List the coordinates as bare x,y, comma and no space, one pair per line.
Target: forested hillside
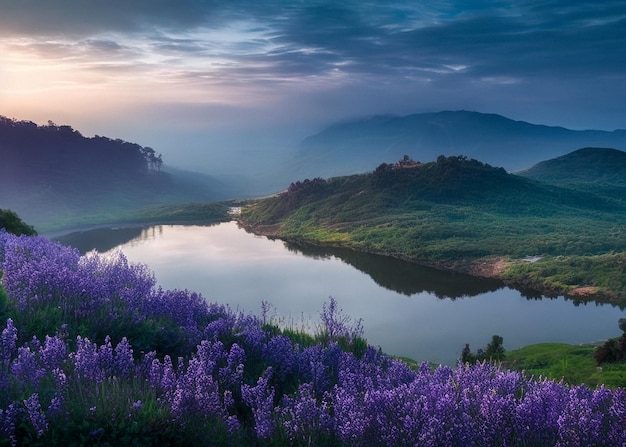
54,176
461,214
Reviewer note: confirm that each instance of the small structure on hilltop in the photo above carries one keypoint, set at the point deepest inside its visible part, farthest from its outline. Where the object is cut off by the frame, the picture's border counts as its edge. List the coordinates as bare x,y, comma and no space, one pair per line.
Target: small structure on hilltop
405,163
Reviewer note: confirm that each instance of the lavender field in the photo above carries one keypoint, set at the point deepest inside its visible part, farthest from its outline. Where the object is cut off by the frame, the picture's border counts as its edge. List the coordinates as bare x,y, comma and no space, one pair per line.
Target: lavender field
94,352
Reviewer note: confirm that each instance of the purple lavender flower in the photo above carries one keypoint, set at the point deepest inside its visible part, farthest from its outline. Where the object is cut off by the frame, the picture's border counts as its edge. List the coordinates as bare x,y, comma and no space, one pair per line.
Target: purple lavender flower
538,410
86,360
302,415
282,355
168,379
36,270
55,408
231,375
37,418
8,422
53,353
260,399
27,369
219,329
123,363
196,393
616,419
8,342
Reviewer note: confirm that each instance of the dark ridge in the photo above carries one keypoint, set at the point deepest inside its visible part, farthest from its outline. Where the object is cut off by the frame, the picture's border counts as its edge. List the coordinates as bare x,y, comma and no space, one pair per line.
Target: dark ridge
52,174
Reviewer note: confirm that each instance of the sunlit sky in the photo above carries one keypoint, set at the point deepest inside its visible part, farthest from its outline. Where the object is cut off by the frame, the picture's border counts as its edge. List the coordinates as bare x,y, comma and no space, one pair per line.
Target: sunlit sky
196,78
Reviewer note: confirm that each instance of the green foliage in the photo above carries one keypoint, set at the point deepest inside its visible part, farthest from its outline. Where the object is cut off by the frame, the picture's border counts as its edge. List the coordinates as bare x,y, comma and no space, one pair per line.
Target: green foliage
153,334
11,222
122,412
300,337
574,364
3,300
589,165
614,349
605,274
334,327
611,351
493,352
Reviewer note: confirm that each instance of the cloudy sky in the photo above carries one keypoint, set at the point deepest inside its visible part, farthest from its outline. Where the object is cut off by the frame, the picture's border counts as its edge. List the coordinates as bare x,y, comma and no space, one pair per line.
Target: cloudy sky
193,78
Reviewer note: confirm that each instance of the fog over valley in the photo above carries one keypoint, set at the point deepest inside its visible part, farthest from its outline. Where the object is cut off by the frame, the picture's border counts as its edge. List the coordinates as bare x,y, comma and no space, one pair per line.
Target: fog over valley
229,87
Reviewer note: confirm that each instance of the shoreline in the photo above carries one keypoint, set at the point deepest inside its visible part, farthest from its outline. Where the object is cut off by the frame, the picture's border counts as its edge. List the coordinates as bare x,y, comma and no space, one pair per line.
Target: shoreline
494,267
113,225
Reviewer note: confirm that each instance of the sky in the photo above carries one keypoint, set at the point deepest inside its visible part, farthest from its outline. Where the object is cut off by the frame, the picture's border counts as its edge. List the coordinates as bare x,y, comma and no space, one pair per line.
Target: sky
200,80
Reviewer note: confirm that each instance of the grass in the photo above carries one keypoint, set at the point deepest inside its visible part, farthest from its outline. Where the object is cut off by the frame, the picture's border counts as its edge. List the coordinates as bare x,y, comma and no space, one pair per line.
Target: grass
605,272
574,364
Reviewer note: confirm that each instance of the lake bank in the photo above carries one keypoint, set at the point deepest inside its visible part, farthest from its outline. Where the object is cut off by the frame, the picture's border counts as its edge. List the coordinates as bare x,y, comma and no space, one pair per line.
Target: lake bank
525,274
183,214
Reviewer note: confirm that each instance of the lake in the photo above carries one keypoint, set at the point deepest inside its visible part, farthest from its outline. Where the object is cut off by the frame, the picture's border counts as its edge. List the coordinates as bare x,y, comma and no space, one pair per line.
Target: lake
406,309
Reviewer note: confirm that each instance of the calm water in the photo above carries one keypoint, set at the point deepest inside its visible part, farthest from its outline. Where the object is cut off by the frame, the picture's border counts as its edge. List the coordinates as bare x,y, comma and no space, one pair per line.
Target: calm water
406,309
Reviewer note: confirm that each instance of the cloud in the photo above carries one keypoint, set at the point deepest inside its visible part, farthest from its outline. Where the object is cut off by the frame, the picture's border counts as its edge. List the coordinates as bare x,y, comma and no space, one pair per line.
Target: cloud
311,38
354,55
78,18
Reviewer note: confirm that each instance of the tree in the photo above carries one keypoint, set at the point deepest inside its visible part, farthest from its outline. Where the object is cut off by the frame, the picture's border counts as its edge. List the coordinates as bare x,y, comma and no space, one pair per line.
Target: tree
493,352
614,349
467,356
11,222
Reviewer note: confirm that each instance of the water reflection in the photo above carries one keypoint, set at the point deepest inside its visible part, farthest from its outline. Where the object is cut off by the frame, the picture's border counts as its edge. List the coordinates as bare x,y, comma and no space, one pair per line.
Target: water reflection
395,299
106,239
401,276
102,239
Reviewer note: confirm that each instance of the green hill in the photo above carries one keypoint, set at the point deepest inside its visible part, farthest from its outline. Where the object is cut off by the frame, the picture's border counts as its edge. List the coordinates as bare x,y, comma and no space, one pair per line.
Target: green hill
463,215
590,165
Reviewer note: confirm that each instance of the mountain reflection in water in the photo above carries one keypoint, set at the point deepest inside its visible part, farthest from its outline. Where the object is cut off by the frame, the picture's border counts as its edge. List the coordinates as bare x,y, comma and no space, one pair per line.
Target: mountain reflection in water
393,274
104,239
401,276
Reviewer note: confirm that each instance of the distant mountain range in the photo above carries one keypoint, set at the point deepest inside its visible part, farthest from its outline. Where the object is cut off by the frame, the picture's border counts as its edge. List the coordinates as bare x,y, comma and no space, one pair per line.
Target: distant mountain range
54,176
355,146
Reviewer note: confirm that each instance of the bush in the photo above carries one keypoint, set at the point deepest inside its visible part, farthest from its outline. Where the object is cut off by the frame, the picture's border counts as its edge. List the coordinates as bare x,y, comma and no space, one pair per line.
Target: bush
493,352
11,222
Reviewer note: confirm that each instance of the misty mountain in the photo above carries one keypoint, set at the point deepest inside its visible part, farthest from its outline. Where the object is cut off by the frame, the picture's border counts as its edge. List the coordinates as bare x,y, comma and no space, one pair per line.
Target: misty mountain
354,146
589,165
54,176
